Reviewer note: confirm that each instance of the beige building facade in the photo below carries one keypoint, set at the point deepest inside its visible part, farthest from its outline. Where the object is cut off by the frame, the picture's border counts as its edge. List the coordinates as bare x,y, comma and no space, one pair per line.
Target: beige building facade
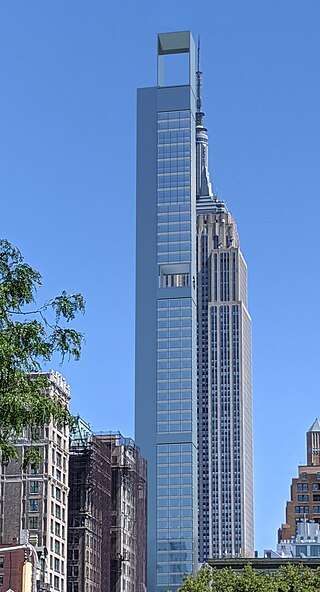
34,502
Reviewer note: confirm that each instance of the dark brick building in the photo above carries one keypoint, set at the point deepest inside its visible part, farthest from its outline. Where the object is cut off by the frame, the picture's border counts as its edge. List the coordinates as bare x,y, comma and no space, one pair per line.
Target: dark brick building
89,512
107,520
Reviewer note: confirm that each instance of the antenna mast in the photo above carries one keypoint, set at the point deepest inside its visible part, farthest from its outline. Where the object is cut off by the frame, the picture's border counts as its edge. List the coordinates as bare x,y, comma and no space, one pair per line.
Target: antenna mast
199,114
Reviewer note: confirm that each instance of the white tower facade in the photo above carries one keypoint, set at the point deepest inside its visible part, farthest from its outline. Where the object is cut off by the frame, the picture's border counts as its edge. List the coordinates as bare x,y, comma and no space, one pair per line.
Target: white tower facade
224,373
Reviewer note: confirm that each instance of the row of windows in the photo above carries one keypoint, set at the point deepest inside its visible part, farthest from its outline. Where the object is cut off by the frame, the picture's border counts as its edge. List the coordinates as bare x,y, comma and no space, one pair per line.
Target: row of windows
174,396
178,257
175,556
163,480
305,498
174,374
175,546
174,458
56,564
165,237
174,115
56,546
173,124
305,509
174,470
174,523
174,427
175,303
179,405
181,513
168,534
173,144
173,448
178,165
174,567
172,218
171,247
182,367
173,227
305,486
173,416
172,319
174,333
174,385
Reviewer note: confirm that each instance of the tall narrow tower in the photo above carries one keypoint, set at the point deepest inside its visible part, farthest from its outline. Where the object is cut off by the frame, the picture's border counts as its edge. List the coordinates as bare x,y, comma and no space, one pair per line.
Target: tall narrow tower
224,371
193,367
166,336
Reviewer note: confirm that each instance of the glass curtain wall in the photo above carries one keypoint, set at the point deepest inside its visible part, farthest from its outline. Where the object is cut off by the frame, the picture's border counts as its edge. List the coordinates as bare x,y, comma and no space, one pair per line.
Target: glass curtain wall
177,455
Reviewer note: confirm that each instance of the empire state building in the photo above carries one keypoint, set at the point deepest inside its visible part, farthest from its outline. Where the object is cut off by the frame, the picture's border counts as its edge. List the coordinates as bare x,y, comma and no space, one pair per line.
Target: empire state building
224,371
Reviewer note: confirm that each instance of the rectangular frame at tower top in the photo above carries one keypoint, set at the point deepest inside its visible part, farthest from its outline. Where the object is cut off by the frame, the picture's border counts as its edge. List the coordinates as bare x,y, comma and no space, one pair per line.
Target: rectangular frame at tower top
176,43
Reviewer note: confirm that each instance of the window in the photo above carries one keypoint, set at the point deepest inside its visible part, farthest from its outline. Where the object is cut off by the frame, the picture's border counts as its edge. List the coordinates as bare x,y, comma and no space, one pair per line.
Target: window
315,550
56,564
315,486
1,580
57,529
1,562
304,498
303,475
33,505
301,509
56,583
58,511
302,486
316,509
33,522
34,486
34,470
58,474
57,547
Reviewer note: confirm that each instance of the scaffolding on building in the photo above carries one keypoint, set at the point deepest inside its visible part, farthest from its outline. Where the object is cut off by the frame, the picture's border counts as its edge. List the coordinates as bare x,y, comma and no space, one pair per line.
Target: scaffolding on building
128,514
89,512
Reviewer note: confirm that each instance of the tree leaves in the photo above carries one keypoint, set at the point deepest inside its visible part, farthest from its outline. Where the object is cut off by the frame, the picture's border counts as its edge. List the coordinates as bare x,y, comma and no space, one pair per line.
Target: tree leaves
30,337
289,578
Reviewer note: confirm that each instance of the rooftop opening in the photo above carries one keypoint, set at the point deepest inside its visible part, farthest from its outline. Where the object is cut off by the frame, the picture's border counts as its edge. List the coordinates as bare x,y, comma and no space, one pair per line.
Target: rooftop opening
176,55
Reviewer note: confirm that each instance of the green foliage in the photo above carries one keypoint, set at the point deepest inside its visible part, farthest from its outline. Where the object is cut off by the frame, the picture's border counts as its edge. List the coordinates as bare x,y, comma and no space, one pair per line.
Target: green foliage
29,337
290,578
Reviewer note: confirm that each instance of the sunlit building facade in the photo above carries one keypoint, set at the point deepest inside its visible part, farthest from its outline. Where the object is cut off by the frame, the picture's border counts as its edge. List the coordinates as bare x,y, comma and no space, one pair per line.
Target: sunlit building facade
224,372
193,338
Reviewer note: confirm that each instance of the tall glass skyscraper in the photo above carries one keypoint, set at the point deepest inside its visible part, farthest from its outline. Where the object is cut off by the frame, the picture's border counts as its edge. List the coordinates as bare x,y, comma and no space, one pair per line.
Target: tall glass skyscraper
192,375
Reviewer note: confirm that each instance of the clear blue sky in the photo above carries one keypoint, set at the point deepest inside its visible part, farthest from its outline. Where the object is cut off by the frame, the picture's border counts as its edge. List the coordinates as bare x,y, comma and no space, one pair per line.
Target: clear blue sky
69,72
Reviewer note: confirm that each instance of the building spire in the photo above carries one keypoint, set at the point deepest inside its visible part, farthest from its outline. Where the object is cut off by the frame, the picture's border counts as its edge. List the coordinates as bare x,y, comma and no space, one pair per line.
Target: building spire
203,185
199,115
